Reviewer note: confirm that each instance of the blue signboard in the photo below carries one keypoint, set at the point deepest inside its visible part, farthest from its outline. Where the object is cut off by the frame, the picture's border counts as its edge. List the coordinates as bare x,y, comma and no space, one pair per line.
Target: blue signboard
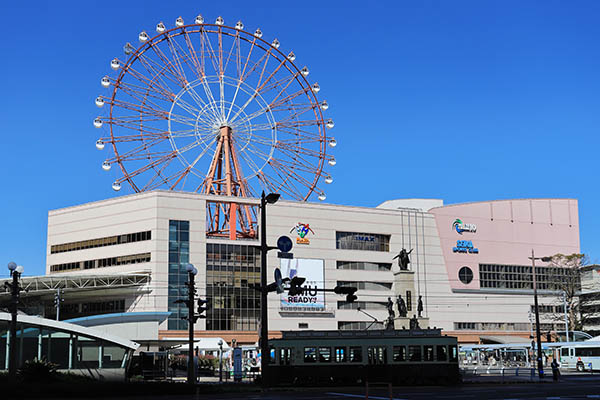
465,246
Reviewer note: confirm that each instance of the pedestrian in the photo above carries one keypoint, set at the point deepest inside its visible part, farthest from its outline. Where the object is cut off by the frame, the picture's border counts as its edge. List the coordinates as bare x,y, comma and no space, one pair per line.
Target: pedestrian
555,370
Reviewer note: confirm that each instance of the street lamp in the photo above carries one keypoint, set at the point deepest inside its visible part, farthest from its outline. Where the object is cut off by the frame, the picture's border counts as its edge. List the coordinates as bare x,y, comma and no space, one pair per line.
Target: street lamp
220,343
537,314
271,198
192,271
15,272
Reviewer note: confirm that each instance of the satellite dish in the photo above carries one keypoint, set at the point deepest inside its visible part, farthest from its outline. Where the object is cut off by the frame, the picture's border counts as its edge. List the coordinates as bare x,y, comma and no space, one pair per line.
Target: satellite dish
284,244
278,281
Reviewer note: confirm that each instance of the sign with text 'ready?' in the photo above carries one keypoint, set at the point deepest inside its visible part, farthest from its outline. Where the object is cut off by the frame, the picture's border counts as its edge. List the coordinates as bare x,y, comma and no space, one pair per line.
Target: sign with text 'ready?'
302,230
313,271
461,227
465,246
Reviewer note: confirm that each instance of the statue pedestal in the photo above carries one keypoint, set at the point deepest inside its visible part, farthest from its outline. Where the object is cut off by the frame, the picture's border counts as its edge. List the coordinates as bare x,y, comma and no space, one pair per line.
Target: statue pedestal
404,323
404,285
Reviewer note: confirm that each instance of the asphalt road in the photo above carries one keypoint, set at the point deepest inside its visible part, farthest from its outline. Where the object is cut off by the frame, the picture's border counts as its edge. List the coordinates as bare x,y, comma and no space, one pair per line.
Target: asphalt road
571,387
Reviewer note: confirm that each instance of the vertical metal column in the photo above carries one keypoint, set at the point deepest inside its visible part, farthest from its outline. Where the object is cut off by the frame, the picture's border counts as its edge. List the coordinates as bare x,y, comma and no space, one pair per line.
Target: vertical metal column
537,319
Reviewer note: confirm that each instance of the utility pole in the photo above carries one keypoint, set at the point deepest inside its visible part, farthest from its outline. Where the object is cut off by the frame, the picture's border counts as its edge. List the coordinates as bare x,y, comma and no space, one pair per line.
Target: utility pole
566,318
57,300
265,353
537,314
15,289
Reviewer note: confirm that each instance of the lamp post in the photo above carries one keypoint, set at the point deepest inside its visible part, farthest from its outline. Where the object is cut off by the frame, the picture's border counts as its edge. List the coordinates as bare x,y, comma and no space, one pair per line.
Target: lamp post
15,272
271,198
537,314
192,271
220,343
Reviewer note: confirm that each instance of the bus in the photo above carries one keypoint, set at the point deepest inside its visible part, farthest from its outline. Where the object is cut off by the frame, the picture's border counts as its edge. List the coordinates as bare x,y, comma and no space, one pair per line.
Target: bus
582,356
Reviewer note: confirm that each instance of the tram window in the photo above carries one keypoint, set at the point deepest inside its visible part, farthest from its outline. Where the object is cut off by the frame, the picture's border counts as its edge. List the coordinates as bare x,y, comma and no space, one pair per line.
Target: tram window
399,353
310,354
414,353
324,354
340,354
377,355
442,353
453,353
564,352
428,353
355,354
285,356
272,355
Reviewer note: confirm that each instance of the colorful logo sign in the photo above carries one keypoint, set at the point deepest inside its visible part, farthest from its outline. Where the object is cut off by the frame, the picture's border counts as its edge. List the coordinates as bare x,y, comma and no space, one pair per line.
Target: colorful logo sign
460,227
465,246
302,230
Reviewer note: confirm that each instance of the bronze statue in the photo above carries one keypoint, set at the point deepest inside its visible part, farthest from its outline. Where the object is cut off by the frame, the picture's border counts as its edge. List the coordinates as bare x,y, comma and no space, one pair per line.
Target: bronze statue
402,311
420,306
390,308
403,259
414,323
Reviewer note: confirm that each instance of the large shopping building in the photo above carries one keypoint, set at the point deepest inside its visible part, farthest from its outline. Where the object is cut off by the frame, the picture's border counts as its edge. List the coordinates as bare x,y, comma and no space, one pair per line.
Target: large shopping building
469,263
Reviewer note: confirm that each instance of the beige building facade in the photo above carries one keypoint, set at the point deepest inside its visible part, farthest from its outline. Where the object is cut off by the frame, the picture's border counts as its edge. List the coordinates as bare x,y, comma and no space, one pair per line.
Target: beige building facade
159,232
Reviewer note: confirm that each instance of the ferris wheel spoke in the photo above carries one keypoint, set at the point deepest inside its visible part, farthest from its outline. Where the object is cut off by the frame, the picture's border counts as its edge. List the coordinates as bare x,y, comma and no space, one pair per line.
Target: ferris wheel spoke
142,97
283,181
140,108
208,49
289,172
298,150
158,87
134,125
194,56
167,66
162,87
230,53
178,56
160,72
287,99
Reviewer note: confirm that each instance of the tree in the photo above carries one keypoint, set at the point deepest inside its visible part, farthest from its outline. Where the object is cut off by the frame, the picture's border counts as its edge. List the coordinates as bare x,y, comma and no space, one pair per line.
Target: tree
566,278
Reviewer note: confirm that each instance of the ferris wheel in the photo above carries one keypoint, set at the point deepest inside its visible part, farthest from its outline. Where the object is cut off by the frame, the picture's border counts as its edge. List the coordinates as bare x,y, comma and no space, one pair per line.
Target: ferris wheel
214,109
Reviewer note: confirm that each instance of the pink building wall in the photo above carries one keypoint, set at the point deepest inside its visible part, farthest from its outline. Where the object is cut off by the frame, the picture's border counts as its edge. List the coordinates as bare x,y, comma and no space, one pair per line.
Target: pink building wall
507,231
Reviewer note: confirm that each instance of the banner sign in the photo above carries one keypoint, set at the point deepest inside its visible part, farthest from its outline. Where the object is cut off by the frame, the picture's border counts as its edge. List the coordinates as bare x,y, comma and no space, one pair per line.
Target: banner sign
313,271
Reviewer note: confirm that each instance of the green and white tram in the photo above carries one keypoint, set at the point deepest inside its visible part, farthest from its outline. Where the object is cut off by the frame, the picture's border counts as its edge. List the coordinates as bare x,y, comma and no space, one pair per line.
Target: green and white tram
345,357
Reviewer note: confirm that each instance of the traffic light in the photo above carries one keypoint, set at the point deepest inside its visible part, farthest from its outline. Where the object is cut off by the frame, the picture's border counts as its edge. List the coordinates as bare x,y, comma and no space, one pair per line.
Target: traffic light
201,308
348,291
296,286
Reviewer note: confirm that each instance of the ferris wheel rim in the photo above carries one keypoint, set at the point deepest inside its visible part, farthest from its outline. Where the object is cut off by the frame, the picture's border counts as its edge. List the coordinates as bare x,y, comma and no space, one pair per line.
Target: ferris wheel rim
246,36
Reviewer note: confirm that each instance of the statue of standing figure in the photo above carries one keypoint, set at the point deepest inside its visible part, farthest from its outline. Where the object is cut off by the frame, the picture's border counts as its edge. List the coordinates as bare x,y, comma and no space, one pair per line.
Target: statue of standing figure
403,259
414,323
390,308
402,311
420,306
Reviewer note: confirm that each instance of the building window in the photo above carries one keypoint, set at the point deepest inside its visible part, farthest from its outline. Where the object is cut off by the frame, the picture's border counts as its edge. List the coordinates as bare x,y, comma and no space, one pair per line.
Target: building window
363,305
302,325
364,266
358,326
179,257
495,326
105,241
232,274
465,274
84,309
376,286
519,277
362,241
101,263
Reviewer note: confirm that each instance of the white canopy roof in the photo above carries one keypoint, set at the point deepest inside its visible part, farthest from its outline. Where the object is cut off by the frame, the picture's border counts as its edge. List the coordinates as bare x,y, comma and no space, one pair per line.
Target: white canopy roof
210,344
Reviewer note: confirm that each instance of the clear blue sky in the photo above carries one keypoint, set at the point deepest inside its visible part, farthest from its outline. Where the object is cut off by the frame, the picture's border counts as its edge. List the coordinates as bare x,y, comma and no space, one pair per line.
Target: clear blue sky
459,100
